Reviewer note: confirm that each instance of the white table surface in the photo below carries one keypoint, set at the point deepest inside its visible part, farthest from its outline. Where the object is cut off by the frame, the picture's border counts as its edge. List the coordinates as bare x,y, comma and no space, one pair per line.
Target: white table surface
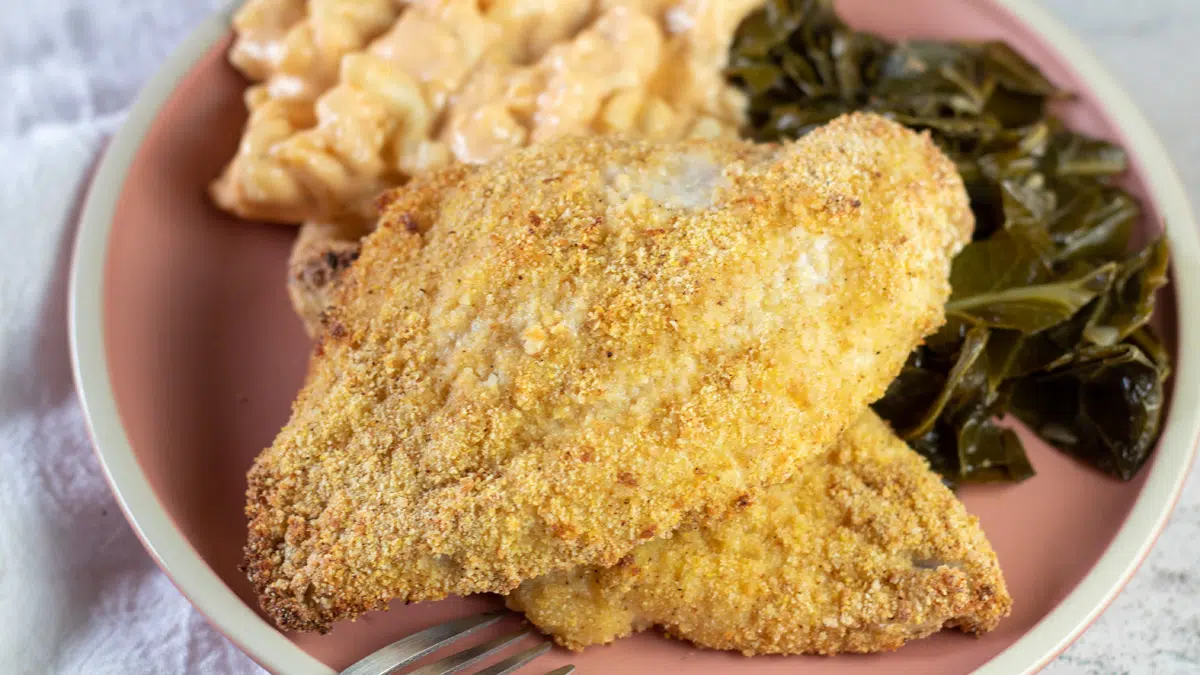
75,586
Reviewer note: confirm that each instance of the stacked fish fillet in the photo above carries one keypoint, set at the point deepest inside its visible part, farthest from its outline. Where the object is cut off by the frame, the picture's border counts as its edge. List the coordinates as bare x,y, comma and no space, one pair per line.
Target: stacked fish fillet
627,385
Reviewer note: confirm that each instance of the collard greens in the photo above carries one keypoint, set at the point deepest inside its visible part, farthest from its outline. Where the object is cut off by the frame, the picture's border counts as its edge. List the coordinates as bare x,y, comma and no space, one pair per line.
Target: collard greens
1049,314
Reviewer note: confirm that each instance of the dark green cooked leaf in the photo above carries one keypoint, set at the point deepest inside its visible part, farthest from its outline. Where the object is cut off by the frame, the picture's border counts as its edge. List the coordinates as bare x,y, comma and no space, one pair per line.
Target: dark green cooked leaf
974,450
1094,223
1130,302
1014,109
939,448
1013,71
1027,205
961,383
1036,307
910,395
1104,407
1145,340
757,77
976,129
1045,287
1075,155
941,349
1002,262
1013,354
988,453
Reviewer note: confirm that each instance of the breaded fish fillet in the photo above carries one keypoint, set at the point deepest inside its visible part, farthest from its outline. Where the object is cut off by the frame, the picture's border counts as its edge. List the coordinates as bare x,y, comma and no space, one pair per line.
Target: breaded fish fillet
862,551
321,255
545,361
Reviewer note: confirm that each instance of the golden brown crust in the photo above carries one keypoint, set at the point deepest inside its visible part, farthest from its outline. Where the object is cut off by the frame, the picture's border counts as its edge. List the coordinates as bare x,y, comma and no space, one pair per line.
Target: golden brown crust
320,256
546,361
863,551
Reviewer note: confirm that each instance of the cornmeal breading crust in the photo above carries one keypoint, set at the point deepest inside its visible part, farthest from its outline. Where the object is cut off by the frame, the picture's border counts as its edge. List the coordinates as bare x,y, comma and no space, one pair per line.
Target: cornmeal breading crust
323,252
862,551
543,362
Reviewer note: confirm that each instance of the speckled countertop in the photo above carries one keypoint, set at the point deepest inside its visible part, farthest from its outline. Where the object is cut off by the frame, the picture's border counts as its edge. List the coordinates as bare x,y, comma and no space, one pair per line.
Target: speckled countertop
77,594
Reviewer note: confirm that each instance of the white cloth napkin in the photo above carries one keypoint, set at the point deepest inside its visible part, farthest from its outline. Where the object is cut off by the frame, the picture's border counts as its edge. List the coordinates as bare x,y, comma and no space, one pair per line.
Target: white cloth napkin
77,592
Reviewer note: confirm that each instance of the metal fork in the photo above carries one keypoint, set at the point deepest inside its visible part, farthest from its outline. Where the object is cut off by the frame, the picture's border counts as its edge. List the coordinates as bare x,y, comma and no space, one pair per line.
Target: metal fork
406,651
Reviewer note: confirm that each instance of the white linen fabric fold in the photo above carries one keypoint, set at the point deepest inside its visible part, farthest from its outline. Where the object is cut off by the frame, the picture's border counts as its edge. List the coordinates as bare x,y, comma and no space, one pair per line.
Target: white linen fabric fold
77,592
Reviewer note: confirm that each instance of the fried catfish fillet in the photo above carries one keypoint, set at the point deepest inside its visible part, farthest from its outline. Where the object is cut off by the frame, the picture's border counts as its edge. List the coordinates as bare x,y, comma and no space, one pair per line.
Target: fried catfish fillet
543,362
862,551
321,255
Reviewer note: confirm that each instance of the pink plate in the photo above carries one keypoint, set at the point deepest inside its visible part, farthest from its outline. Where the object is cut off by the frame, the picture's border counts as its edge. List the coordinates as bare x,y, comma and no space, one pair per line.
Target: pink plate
188,356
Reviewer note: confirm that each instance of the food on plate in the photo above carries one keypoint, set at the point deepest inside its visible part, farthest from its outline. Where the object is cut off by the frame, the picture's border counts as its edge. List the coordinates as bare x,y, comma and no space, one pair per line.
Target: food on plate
544,361
1049,315
862,551
1036,296
320,256
460,80
608,373
293,47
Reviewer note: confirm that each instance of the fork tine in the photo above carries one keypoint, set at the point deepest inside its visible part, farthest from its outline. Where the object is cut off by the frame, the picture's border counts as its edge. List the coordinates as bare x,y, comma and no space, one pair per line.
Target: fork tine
407,650
565,670
517,660
456,662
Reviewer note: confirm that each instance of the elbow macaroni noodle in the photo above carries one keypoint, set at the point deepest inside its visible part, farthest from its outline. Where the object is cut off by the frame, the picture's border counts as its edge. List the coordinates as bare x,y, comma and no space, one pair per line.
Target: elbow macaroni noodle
295,46
355,96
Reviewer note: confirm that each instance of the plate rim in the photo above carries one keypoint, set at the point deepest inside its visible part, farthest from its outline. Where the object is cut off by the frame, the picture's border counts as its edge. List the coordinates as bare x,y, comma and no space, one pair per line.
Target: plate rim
271,649
1177,446
165,543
